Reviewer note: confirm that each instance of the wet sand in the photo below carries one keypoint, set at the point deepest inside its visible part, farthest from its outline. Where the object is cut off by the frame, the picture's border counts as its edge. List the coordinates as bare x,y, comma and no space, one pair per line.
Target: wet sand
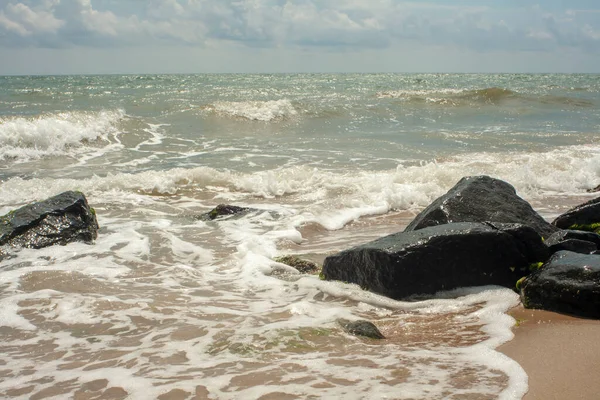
561,354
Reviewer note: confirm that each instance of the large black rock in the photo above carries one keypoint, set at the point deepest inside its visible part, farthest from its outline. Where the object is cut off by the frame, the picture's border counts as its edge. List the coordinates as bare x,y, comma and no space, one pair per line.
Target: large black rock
568,283
61,219
439,258
584,217
481,199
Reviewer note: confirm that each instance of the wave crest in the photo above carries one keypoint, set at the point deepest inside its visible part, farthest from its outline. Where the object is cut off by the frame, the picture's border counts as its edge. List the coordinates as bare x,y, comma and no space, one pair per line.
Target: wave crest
266,111
490,95
54,134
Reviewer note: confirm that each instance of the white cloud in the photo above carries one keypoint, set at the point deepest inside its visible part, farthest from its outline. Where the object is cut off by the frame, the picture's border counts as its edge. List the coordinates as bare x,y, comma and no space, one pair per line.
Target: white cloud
20,19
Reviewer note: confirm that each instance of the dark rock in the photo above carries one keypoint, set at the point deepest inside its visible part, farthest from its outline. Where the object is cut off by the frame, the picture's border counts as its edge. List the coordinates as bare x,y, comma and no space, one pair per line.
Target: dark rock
574,245
61,219
568,283
481,199
566,234
526,239
439,258
303,266
224,210
584,217
360,328
594,190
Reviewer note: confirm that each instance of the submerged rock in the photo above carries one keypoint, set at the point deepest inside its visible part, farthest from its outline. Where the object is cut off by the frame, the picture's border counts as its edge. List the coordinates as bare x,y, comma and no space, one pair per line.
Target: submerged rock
439,258
303,266
594,190
224,210
568,282
360,328
481,199
584,217
61,219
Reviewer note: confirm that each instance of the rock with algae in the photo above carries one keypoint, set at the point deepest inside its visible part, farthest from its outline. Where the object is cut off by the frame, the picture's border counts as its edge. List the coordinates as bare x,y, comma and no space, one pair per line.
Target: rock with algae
568,283
584,217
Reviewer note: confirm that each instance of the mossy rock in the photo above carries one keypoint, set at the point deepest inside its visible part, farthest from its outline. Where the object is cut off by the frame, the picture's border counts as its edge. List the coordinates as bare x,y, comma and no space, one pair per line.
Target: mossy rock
595,227
535,266
303,266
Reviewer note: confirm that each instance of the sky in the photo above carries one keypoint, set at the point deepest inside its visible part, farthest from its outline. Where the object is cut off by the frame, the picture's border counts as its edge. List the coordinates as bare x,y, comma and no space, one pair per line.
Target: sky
199,36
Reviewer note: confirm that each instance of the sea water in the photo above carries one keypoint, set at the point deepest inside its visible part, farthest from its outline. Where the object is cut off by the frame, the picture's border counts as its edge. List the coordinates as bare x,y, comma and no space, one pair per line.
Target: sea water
167,305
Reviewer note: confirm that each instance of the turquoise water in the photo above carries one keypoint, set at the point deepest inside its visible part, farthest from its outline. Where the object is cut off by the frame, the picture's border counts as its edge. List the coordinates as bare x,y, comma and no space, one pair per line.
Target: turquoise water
330,121
166,304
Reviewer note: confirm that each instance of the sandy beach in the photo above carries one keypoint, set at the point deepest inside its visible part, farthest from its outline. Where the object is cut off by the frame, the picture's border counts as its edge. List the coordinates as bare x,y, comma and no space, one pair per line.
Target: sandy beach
561,354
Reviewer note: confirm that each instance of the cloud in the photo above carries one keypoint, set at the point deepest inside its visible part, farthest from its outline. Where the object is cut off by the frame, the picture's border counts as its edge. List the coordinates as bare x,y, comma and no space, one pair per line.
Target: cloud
21,20
332,24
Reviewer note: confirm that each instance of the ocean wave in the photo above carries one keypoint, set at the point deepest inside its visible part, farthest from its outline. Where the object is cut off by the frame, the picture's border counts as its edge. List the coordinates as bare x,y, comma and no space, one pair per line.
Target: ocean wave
451,97
335,198
489,95
264,111
480,97
399,94
25,138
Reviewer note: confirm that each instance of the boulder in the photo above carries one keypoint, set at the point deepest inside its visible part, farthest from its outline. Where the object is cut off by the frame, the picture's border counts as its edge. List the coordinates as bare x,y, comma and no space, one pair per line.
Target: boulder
568,283
61,219
360,328
439,258
584,217
481,199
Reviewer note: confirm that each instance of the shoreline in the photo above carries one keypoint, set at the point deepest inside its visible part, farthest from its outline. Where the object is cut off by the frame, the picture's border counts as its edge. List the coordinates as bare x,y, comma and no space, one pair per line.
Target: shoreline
559,353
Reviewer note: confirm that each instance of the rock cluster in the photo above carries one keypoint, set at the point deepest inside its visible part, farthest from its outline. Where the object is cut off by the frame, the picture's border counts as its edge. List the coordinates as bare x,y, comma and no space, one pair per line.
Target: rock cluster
480,233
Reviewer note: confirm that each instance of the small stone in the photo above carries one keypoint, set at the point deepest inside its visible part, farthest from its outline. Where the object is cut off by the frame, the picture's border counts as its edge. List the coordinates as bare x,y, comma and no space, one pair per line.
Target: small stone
360,328
303,266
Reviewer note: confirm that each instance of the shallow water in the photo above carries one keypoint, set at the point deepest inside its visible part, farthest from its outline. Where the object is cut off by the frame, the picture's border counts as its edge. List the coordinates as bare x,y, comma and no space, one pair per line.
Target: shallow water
165,305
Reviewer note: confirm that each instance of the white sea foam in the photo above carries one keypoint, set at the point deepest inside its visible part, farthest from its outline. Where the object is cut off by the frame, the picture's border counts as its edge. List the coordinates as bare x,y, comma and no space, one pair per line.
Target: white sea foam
25,138
333,198
247,316
399,94
265,111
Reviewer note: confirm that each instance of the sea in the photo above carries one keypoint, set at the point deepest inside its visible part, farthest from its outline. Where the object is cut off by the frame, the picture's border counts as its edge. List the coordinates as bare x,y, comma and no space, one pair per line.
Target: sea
168,305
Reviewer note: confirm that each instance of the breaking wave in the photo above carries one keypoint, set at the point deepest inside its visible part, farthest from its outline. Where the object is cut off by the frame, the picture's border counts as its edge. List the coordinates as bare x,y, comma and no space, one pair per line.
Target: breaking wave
332,199
264,111
25,138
